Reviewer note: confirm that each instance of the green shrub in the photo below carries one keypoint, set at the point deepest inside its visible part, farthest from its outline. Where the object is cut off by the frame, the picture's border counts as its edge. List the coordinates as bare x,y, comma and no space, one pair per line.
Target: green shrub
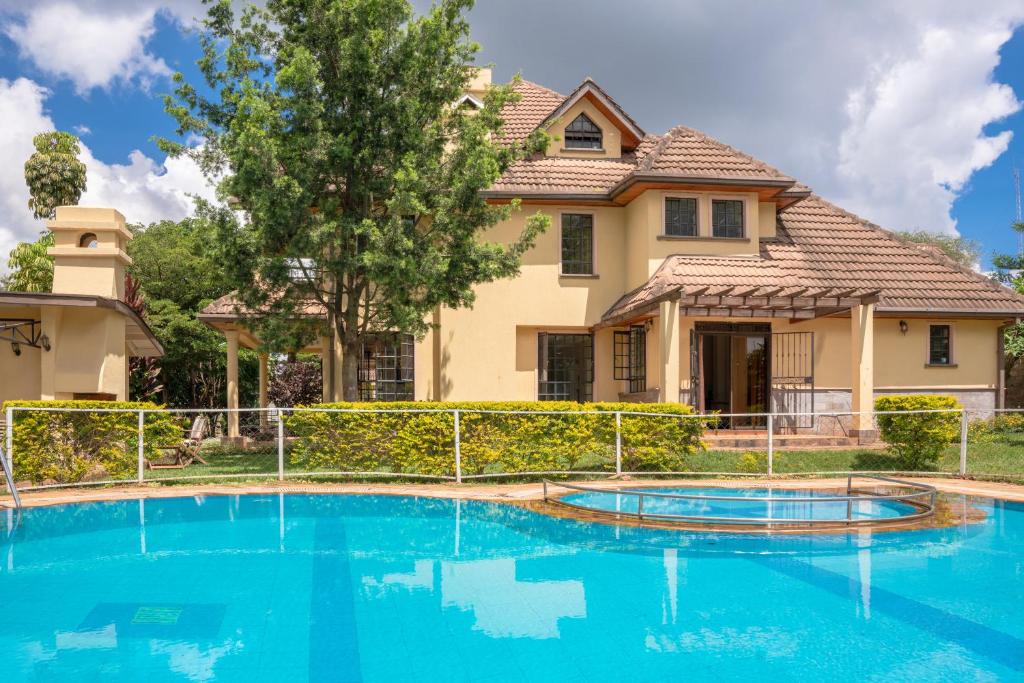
754,462
557,436
918,439
69,447
999,427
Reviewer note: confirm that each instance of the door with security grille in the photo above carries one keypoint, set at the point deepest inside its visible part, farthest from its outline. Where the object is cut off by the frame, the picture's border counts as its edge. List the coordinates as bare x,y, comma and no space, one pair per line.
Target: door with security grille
792,380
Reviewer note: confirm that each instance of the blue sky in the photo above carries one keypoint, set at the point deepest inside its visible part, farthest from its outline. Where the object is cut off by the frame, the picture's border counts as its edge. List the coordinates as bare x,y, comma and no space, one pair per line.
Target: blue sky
911,117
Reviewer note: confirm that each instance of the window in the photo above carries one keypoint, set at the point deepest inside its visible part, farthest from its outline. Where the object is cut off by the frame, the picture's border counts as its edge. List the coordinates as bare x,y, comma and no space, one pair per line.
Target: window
565,364
88,241
727,218
386,368
577,244
940,347
631,357
582,133
681,217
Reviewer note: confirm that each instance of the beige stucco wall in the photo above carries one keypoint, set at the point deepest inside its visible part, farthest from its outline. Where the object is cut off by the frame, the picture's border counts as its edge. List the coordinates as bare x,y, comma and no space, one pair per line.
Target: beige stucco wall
648,246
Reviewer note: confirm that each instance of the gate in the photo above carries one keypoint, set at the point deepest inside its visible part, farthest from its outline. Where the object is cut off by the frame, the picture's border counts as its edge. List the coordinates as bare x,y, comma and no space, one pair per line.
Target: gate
792,379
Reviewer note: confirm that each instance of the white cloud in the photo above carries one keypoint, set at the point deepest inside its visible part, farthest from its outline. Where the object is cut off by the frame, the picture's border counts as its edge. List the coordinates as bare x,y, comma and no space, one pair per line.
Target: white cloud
94,44
916,134
143,189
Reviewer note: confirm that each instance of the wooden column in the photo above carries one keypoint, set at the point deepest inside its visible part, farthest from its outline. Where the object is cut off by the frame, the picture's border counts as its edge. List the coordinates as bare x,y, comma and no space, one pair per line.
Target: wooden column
862,377
232,343
264,362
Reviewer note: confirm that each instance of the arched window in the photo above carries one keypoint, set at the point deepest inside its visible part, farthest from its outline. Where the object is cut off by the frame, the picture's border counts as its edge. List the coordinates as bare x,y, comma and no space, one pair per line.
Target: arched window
582,133
89,241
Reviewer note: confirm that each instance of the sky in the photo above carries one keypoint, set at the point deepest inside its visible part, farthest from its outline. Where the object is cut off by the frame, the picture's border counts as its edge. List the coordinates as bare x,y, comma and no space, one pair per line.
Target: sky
908,114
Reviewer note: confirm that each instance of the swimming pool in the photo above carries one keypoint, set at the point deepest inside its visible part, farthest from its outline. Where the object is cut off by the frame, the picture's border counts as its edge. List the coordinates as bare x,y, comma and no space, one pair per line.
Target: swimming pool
743,503
387,588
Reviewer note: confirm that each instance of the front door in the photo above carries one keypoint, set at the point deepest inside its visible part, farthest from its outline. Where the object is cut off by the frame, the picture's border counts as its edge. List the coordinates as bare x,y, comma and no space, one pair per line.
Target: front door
733,371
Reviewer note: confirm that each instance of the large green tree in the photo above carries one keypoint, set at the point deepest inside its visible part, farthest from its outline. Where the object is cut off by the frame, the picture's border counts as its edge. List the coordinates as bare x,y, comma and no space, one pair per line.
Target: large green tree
54,174
965,252
30,268
333,127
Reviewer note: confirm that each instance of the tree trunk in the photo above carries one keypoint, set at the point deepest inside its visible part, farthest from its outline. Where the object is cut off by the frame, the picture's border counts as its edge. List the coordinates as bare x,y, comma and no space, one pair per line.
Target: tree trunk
351,349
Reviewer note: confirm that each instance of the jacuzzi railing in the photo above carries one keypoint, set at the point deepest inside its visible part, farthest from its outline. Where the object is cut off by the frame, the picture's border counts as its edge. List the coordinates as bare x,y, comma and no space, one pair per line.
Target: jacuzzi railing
921,497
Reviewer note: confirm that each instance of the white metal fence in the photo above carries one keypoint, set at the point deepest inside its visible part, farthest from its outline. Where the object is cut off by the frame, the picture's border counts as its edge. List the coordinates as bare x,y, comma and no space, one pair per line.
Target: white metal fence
88,446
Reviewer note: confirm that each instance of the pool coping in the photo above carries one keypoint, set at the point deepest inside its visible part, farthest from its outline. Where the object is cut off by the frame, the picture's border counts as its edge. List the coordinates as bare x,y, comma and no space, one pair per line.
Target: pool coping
487,492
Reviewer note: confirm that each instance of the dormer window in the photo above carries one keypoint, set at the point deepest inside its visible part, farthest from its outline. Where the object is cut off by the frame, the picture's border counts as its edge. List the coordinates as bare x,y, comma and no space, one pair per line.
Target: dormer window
582,133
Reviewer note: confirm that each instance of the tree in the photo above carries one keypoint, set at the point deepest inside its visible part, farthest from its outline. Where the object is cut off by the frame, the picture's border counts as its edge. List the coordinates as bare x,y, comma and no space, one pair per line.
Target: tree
965,252
30,268
143,373
334,130
296,382
54,174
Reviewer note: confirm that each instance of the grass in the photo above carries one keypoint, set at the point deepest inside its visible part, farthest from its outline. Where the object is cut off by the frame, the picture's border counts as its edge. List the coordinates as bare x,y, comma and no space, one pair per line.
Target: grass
1000,456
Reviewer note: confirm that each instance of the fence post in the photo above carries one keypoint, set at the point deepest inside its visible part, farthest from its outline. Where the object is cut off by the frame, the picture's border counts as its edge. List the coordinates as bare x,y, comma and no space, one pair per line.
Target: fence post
10,441
280,444
618,443
771,446
458,449
963,442
142,452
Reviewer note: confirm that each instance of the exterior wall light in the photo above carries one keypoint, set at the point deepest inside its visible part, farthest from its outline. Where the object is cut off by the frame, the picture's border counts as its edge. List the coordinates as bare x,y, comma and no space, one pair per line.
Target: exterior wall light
16,347
44,341
904,327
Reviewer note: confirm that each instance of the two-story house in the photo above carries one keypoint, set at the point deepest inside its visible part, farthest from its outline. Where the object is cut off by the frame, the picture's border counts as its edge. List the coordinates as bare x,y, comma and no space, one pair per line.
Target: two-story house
681,269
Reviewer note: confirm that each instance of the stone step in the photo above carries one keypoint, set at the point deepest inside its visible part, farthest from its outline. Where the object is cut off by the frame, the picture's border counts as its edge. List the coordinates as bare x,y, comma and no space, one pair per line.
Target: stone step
758,440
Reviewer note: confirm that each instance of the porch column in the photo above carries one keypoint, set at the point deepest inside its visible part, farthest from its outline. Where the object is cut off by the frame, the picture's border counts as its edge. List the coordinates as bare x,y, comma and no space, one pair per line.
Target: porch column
326,368
862,379
264,360
232,338
669,336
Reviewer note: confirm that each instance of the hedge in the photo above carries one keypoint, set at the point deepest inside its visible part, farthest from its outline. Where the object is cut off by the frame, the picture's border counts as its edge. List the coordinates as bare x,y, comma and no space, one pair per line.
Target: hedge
53,447
550,436
918,439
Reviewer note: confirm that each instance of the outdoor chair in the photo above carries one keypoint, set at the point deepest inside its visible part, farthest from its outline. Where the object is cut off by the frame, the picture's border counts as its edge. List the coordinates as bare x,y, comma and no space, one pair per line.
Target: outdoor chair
186,452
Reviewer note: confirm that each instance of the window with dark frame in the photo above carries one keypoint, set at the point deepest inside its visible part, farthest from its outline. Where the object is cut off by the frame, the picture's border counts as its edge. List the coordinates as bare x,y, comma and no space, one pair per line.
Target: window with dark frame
681,217
631,357
940,346
386,368
565,367
577,244
727,217
583,133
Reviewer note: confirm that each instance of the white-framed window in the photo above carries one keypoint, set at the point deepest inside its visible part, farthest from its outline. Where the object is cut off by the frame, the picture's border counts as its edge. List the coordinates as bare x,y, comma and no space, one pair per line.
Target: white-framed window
583,133
728,218
940,344
577,243
681,216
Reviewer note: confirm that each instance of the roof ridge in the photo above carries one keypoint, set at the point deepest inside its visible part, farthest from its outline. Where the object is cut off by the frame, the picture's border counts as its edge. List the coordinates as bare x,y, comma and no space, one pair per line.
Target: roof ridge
981,278
658,148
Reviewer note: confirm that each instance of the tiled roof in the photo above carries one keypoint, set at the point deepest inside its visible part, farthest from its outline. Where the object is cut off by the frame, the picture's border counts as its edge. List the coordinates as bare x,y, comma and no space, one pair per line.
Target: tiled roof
535,104
563,175
821,247
230,307
687,152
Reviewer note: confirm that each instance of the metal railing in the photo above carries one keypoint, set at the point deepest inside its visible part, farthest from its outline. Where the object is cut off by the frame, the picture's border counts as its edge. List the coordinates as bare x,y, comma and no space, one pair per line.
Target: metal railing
913,499
766,453
5,463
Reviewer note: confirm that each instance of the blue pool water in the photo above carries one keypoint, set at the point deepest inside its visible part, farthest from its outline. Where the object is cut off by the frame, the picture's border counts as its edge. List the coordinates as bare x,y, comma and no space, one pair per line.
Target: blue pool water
387,588
746,503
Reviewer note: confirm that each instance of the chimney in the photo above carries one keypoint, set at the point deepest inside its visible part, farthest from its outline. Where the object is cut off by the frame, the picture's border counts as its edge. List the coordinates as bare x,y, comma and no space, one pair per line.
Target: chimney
89,251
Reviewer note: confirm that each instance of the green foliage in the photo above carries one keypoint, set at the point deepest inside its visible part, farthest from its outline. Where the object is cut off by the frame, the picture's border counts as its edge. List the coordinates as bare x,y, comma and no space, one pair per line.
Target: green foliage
754,462
1001,427
92,445
965,252
918,439
30,267
54,174
333,129
559,436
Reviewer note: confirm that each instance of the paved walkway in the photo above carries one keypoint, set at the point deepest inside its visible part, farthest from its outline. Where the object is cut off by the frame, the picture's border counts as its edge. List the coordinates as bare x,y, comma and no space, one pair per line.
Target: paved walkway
493,492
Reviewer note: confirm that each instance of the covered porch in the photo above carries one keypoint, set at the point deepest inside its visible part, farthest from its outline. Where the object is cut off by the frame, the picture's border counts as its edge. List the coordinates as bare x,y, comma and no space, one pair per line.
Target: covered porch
735,349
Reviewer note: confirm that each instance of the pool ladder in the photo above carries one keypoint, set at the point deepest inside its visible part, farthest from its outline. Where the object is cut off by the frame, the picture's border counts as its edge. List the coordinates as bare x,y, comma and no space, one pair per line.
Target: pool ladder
6,464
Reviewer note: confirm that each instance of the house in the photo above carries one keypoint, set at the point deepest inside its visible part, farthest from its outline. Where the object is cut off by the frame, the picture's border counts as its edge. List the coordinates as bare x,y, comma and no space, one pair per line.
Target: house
75,341
681,269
